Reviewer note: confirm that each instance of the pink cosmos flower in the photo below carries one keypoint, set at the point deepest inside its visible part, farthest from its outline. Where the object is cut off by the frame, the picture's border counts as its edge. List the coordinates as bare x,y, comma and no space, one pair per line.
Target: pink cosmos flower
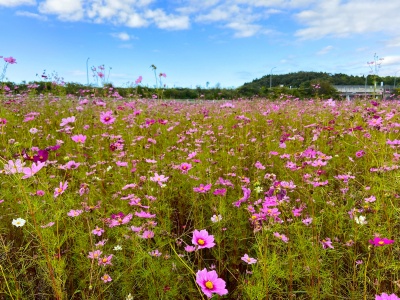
307,221
377,241
14,167
283,237
327,243
11,60
98,231
80,138
147,234
375,122
249,260
74,213
202,239
67,121
95,254
385,296
106,278
202,188
139,80
106,260
121,163
189,248
259,166
29,172
185,167
360,153
246,196
144,214
160,179
107,117
60,190
220,192
210,283
47,225
119,220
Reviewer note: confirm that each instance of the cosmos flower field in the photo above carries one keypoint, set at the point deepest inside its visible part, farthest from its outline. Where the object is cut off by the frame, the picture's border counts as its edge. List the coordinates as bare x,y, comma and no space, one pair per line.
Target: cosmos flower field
159,199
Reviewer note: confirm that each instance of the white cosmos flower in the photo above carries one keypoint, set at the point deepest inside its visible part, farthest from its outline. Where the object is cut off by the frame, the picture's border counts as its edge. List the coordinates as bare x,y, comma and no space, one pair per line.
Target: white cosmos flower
216,218
19,222
361,220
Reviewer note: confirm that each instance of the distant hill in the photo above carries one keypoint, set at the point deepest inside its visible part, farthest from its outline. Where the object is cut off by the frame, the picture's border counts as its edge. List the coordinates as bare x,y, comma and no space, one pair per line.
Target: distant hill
302,82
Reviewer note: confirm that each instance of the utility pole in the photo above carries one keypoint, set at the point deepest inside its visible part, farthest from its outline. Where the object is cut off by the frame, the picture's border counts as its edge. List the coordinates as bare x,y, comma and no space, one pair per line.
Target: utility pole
395,74
87,70
270,78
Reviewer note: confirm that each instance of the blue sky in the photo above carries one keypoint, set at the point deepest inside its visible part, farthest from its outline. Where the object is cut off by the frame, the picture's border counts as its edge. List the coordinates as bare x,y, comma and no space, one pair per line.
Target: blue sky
195,42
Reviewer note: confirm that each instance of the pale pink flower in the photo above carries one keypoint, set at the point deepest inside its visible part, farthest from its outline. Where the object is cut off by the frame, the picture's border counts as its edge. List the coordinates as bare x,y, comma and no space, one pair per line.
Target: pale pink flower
29,172
249,260
60,190
74,213
160,179
95,254
67,120
106,278
14,167
80,138
147,234
98,231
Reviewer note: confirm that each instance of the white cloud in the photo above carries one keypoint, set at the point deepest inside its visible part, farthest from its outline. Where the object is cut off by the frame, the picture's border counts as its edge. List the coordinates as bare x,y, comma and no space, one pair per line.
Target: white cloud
394,42
243,30
11,3
220,13
391,60
123,36
342,19
164,21
70,10
30,15
325,50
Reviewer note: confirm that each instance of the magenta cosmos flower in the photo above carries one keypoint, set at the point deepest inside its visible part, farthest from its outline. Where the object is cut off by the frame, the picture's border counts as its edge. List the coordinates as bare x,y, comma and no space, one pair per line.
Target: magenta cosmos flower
385,296
107,117
377,241
11,60
202,239
210,283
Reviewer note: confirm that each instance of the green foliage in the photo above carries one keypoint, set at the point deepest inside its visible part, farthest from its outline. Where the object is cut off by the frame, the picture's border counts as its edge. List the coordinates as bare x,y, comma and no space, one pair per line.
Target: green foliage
41,260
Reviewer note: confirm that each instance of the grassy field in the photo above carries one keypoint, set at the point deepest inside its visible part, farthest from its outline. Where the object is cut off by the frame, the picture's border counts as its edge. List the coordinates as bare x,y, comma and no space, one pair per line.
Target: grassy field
152,199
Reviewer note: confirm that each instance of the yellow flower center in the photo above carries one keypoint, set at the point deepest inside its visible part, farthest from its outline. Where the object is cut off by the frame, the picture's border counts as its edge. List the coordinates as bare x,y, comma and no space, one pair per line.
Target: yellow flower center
105,260
209,285
254,217
200,242
59,190
381,242
105,277
95,255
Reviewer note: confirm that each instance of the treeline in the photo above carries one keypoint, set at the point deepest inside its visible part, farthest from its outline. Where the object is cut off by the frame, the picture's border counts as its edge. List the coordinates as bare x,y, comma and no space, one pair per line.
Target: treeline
299,85
108,90
308,84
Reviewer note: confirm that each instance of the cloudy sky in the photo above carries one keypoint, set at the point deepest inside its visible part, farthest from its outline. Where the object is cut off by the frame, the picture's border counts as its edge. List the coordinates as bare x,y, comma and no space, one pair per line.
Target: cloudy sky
197,41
